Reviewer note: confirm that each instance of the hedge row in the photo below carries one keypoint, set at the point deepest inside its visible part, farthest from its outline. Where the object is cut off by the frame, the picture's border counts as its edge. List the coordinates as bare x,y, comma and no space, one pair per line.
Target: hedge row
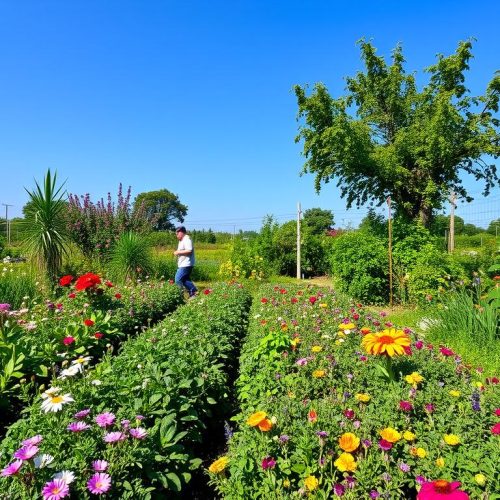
321,417
147,407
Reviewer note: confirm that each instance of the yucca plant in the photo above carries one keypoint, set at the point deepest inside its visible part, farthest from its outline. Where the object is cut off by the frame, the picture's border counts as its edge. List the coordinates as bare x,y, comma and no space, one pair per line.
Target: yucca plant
45,233
130,257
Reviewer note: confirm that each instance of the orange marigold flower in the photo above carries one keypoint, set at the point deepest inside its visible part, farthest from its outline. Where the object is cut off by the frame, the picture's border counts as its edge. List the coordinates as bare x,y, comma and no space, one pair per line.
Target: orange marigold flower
312,416
256,418
265,425
391,342
348,441
365,330
219,465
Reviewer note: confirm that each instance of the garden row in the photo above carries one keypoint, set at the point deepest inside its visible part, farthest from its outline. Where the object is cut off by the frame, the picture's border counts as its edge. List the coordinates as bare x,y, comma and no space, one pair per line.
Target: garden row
133,424
87,316
336,402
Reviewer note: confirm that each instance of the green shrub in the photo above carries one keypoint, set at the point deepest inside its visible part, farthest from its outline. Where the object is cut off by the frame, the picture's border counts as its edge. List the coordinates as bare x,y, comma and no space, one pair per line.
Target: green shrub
130,257
19,284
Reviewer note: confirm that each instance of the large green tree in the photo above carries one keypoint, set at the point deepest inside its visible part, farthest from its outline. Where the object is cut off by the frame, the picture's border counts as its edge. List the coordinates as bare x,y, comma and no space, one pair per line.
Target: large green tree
161,207
318,220
387,138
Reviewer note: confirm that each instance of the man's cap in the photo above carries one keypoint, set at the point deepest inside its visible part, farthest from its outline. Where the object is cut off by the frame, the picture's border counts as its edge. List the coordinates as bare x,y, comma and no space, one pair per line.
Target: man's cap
180,229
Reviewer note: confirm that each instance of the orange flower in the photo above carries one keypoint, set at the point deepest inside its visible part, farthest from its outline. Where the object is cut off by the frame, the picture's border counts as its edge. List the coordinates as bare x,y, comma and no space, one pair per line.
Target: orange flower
265,425
348,441
256,418
391,342
312,416
365,330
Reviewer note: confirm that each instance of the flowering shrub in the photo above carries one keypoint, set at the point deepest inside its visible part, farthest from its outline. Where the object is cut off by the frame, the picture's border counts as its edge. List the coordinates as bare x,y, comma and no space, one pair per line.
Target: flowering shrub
134,423
389,415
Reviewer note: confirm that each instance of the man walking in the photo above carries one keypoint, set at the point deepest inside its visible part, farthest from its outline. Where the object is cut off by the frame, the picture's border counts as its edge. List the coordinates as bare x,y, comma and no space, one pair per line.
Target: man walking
185,261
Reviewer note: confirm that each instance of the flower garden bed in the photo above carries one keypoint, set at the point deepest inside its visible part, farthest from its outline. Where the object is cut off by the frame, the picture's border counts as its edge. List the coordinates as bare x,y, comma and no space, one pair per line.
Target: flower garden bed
338,403
131,426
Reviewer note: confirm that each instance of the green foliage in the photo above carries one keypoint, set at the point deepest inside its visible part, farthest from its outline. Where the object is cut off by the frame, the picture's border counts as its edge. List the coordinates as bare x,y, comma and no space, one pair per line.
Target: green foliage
494,227
45,233
359,262
318,220
18,284
130,257
374,224
161,208
387,138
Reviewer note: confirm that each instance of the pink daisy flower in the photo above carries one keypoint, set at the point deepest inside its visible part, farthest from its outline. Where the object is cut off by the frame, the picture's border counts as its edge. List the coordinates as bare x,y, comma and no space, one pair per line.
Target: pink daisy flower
12,469
79,415
114,437
33,440
105,419
26,452
99,483
55,489
100,465
78,426
138,433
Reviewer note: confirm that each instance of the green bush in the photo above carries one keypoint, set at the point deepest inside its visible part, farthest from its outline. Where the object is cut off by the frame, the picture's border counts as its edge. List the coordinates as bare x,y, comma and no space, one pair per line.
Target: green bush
19,284
130,257
359,262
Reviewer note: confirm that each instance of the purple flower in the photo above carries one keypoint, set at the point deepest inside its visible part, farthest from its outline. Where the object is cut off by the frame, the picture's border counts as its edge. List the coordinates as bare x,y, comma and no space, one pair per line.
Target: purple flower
33,440
386,477
420,480
302,361
405,406
12,469
114,437
99,483
105,419
228,432
55,489
78,426
138,433
475,401
268,463
351,482
125,424
322,434
82,414
338,489
139,417
4,307
100,465
366,443
374,494
284,438
26,452
429,408
404,467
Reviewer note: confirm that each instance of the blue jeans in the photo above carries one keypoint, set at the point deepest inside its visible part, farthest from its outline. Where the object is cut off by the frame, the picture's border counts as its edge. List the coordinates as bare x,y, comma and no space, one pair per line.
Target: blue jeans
183,279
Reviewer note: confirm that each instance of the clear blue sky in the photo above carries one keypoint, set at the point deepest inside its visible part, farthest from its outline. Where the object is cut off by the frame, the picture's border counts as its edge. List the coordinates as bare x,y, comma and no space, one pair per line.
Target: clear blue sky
195,97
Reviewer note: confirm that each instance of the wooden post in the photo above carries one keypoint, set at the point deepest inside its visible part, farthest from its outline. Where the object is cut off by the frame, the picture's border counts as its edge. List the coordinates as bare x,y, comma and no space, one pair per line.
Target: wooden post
390,250
298,241
451,244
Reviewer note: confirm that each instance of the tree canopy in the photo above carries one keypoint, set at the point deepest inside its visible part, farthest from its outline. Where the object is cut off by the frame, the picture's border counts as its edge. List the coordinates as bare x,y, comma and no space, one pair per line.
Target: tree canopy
387,138
161,208
318,220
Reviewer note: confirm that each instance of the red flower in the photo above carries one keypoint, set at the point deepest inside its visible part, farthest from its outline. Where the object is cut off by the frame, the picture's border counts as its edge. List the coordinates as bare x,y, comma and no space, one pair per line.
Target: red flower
492,380
436,490
312,299
207,291
445,351
264,300
355,316
88,322
109,284
72,295
66,280
496,429
497,412
68,340
118,295
405,406
88,280
349,414
59,305
283,291
98,335
312,416
384,444
294,300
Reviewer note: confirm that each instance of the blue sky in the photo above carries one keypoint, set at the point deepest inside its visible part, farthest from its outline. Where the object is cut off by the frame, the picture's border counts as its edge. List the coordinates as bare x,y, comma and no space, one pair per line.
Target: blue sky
195,97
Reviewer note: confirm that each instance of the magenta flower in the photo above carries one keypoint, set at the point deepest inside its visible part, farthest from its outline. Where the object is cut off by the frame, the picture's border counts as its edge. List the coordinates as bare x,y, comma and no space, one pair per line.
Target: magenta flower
268,463
99,483
26,452
79,415
302,361
12,469
33,440
125,424
445,351
105,419
100,465
78,426
138,433
384,445
338,489
114,437
55,489
405,406
419,344
496,429
429,407
434,490
4,307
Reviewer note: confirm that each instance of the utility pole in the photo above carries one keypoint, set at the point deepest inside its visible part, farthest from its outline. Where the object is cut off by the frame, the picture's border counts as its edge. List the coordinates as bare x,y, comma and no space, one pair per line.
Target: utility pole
389,220
299,213
451,243
7,225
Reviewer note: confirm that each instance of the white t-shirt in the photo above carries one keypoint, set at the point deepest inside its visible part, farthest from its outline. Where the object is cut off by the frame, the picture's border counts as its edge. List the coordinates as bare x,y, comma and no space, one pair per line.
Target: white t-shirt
185,260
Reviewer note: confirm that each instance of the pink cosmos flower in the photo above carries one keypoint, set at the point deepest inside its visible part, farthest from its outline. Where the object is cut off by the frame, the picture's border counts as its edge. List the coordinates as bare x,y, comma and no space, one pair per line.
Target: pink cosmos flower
99,483
384,445
12,469
33,440
497,412
100,465
26,452
268,463
496,429
441,489
82,414
419,344
114,437
68,340
78,426
55,489
138,433
445,351
105,419
405,406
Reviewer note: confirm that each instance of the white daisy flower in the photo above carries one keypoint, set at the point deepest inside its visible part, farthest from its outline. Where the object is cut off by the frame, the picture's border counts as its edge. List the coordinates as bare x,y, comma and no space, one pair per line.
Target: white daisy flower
66,475
55,403
51,391
82,360
42,461
70,372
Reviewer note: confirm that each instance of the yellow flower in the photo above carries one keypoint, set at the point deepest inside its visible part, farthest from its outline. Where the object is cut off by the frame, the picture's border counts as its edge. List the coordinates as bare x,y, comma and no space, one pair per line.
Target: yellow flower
414,378
256,418
311,483
480,479
294,342
440,462
219,465
479,385
409,436
318,373
391,342
286,483
451,439
348,441
364,398
347,326
316,348
421,453
345,463
339,341
291,395
390,434
323,305
341,334
454,393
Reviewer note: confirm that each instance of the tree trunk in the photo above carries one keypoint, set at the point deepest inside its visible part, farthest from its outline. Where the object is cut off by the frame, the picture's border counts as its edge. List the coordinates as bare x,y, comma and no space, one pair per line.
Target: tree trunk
425,215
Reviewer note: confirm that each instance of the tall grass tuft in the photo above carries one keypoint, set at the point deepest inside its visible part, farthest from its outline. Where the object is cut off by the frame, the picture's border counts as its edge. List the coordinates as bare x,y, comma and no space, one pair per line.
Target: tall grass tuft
130,257
18,285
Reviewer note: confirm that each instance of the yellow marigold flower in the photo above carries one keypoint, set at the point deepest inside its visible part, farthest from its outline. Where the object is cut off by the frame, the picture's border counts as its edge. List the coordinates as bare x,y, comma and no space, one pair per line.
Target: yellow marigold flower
414,378
286,483
479,385
451,439
347,326
345,463
480,479
294,342
454,393
363,397
256,418
421,453
316,348
323,305
390,434
348,441
391,342
219,465
318,373
265,425
341,334
440,462
311,483
409,436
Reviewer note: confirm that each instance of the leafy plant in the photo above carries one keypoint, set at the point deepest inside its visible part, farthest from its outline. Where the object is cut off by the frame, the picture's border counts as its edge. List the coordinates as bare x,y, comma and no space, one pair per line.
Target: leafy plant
130,257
